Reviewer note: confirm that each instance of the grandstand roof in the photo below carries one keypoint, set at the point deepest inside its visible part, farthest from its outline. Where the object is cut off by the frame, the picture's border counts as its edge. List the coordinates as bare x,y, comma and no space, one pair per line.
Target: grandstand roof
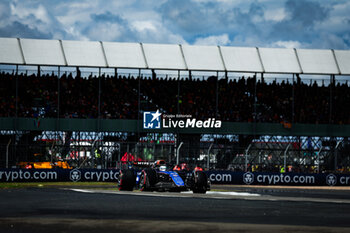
18,51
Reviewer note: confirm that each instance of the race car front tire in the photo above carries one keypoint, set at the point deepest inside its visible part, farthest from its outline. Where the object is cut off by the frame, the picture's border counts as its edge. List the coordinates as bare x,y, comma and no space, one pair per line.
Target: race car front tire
148,179
200,182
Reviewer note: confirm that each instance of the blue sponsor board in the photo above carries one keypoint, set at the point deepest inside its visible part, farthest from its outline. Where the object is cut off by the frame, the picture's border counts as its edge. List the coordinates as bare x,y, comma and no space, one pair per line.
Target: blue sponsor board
215,176
57,175
295,179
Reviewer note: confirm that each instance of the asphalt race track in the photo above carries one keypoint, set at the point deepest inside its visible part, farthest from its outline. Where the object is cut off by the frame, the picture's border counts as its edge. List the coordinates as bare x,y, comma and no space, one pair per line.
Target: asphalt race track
239,209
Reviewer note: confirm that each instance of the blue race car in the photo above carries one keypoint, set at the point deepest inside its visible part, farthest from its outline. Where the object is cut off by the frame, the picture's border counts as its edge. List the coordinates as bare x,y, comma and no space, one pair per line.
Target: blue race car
159,178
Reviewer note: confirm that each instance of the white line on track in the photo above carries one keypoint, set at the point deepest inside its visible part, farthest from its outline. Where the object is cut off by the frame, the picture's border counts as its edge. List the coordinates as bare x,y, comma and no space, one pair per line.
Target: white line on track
83,190
189,194
216,195
229,193
235,194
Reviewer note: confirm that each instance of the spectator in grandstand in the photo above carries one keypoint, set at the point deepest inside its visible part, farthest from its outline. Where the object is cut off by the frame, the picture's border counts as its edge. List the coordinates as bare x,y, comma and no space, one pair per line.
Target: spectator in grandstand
242,100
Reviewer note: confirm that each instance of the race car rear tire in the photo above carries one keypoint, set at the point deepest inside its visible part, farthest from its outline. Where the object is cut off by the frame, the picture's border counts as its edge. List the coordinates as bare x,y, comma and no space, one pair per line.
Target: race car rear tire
200,182
127,180
148,179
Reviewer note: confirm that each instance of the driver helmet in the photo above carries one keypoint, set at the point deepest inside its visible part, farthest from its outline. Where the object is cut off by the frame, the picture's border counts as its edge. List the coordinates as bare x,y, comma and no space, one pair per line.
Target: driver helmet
162,168
159,163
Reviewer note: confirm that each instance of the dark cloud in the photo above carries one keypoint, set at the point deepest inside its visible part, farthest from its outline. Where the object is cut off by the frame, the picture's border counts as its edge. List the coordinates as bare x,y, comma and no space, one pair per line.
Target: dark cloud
302,17
108,17
306,12
197,19
17,29
4,11
186,16
28,25
309,23
248,26
256,9
242,22
107,27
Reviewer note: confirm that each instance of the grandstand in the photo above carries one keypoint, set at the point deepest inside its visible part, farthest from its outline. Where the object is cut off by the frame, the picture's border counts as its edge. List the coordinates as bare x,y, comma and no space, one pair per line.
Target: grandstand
87,96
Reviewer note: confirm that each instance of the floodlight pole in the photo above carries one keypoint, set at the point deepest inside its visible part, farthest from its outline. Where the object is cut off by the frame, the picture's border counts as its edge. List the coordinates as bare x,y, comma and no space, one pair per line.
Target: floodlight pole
285,158
58,91
16,91
208,161
246,157
58,101
318,159
217,95
16,116
336,156
331,80
255,99
139,109
293,101
99,99
7,153
178,91
178,153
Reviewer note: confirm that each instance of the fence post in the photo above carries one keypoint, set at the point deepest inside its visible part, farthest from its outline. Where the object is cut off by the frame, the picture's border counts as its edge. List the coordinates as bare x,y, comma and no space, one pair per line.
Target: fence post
7,153
178,153
285,158
246,157
318,159
336,156
208,161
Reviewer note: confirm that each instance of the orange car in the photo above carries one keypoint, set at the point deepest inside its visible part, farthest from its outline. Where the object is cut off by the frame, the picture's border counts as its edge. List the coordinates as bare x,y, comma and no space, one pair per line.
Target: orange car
44,165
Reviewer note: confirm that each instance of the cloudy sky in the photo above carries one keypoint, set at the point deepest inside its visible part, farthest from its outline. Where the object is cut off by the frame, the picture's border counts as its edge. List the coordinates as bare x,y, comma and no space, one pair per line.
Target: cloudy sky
262,23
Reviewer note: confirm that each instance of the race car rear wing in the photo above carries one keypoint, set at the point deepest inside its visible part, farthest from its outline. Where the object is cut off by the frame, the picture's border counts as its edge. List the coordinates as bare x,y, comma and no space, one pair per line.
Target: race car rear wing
149,163
143,163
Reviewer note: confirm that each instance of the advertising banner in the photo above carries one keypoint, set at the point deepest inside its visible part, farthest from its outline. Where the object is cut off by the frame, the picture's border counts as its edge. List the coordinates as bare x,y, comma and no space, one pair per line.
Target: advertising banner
215,176
264,178
57,175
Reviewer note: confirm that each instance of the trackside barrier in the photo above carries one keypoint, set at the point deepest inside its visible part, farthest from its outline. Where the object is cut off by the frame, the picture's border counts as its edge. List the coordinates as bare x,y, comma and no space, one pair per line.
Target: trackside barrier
215,176
263,178
56,175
